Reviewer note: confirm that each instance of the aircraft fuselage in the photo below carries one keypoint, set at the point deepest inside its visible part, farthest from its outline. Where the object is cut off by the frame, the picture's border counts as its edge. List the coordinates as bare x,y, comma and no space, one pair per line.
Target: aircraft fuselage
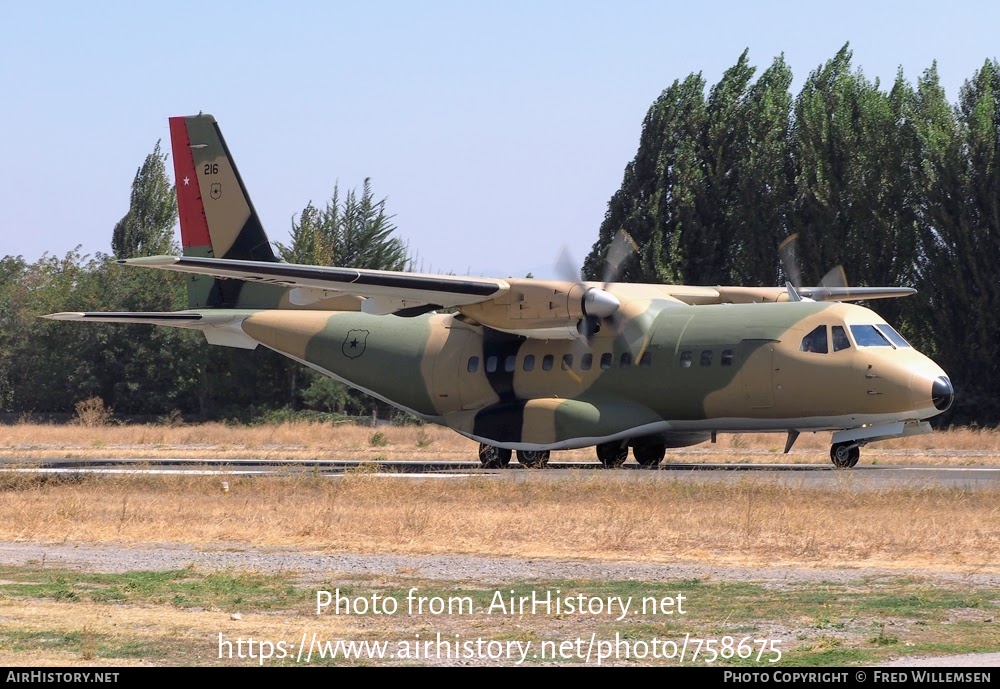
730,367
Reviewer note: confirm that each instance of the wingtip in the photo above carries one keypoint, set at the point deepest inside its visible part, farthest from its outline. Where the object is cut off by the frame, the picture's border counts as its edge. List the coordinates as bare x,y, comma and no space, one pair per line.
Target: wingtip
64,316
150,260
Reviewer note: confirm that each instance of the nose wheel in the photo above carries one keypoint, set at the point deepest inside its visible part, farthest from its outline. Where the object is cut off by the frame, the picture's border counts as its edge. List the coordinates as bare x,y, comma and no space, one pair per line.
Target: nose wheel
493,457
844,456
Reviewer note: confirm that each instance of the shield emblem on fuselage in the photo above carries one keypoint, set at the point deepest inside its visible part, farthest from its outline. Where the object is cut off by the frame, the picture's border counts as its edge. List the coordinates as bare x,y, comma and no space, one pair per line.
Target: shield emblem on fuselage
354,343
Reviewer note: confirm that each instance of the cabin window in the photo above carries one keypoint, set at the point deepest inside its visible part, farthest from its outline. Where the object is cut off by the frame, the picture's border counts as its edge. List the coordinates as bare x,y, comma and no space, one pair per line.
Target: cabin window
646,360
840,340
706,357
815,341
626,360
586,361
686,358
509,362
529,362
491,364
547,362
727,357
606,360
473,364
567,362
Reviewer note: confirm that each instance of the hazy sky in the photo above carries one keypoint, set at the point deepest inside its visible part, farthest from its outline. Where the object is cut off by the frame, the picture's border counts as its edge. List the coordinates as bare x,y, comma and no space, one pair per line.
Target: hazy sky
497,130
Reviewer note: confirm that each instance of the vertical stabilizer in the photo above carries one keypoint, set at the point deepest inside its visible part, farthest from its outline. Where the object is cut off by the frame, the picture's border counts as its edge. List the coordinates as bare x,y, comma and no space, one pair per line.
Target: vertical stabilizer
217,218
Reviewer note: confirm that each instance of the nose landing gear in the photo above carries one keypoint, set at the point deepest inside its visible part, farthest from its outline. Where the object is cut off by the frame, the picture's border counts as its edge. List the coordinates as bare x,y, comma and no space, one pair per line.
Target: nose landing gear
845,455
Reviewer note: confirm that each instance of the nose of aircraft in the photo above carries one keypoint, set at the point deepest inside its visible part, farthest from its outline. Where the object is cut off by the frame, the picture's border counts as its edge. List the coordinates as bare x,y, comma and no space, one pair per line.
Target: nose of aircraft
942,393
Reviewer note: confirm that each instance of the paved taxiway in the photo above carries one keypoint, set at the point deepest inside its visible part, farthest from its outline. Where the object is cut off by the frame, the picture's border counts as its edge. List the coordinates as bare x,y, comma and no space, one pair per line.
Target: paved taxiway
812,475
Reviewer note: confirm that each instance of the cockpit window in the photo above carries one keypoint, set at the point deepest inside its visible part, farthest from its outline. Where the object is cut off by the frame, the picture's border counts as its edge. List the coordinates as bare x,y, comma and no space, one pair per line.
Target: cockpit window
815,341
869,336
840,340
893,336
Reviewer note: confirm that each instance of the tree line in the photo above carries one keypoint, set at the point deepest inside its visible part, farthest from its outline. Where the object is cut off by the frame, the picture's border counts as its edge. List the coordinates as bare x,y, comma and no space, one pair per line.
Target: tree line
140,370
897,185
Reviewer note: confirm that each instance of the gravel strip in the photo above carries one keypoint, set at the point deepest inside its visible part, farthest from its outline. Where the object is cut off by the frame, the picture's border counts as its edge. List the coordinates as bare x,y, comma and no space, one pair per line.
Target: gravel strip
119,557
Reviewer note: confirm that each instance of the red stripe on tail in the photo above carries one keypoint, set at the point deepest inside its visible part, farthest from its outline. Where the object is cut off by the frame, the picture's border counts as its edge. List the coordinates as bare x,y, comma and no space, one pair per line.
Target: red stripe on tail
194,225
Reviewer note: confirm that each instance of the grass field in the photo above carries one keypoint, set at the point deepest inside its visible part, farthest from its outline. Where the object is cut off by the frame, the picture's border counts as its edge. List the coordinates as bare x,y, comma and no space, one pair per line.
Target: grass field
186,617
300,440
596,514
62,617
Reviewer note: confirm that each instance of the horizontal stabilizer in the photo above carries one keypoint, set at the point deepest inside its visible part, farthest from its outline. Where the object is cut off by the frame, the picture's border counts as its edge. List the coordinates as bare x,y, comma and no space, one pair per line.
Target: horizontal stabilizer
153,318
223,328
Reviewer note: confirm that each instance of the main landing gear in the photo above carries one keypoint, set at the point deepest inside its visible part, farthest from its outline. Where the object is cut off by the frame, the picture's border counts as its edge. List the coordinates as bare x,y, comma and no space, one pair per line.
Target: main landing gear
845,455
533,459
612,455
497,458
649,455
493,457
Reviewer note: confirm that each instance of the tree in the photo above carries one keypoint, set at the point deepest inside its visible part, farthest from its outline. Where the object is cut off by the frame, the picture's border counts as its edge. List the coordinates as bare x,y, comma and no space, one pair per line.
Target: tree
898,186
353,233
147,227
763,194
854,152
655,197
959,186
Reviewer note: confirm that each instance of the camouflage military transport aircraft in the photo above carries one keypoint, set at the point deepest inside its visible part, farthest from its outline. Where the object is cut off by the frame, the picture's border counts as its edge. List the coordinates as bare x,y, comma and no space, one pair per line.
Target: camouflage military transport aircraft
538,365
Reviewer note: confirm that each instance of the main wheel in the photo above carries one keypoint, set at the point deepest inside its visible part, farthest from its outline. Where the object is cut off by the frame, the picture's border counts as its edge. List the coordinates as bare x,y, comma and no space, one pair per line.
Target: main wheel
533,459
612,455
649,455
493,457
844,456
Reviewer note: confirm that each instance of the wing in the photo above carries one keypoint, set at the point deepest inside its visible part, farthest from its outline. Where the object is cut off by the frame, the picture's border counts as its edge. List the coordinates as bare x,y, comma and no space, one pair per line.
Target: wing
749,295
551,309
385,291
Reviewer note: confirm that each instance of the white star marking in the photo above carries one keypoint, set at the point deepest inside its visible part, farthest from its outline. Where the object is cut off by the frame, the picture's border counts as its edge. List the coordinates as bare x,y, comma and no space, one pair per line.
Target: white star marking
186,181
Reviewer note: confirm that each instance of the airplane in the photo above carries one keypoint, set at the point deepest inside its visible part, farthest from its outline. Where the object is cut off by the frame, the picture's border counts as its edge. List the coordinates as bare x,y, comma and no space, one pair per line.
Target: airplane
531,366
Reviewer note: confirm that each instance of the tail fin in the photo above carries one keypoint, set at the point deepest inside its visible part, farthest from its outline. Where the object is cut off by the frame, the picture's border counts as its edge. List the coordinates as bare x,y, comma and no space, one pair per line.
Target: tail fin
216,215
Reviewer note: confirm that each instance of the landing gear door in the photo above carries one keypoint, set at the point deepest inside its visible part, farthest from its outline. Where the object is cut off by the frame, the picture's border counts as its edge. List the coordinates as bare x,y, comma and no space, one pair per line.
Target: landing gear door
756,372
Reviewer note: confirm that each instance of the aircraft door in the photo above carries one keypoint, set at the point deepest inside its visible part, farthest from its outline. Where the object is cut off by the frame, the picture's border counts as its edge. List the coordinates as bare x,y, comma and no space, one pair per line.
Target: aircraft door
450,374
757,372
465,370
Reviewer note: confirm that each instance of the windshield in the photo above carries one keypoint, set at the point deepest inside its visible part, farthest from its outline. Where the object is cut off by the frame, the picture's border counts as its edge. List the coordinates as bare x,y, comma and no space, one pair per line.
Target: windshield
881,335
893,336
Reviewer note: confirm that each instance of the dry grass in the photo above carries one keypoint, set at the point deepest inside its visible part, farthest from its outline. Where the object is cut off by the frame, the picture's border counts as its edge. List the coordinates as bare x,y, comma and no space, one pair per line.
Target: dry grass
300,440
595,515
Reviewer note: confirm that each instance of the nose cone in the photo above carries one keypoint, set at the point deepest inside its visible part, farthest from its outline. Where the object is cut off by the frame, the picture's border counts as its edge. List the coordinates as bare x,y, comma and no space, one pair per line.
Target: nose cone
942,393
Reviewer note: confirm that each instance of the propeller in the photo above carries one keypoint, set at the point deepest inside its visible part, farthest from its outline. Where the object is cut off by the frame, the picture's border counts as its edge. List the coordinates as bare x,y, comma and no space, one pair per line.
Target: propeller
788,251
598,303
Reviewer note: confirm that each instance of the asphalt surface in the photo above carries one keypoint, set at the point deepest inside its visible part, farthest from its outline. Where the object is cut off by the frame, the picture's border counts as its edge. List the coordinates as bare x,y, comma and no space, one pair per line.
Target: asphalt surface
808,475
